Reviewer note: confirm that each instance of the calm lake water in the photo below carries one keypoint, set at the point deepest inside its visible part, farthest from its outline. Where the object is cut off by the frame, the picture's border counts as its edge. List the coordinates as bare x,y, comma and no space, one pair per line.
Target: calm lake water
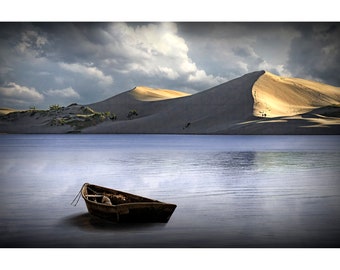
230,191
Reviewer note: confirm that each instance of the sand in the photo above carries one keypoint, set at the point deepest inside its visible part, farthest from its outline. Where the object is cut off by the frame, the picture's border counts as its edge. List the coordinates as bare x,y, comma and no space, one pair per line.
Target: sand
276,96
4,111
206,112
144,93
256,103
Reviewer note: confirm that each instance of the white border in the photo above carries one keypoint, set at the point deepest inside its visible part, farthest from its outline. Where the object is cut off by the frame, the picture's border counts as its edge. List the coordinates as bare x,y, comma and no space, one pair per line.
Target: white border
278,259
175,10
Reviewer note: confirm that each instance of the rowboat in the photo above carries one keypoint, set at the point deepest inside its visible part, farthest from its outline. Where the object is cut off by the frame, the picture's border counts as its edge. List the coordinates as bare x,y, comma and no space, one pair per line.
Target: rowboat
119,206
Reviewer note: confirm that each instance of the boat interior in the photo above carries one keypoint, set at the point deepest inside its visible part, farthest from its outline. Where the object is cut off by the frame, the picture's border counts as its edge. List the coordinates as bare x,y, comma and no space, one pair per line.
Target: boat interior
112,197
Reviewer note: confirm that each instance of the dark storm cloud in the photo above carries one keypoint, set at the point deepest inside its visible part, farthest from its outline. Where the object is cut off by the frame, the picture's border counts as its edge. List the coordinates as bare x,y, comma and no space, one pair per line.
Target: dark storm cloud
45,63
315,53
53,59
309,50
232,49
247,53
74,42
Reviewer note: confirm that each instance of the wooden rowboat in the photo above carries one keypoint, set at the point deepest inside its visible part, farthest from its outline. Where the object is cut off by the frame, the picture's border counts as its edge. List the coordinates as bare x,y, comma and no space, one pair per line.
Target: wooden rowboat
118,206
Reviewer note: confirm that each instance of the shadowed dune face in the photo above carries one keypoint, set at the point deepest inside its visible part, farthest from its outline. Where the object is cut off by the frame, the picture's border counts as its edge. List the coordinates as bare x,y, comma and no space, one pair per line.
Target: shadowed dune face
143,93
206,112
276,96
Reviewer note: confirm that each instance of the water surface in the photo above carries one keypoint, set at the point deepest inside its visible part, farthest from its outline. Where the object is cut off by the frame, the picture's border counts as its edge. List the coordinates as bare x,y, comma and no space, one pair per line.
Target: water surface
230,191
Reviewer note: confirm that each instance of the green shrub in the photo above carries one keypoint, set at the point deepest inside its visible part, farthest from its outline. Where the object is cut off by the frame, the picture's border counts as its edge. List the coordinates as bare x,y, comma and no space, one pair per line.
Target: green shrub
55,107
131,114
87,110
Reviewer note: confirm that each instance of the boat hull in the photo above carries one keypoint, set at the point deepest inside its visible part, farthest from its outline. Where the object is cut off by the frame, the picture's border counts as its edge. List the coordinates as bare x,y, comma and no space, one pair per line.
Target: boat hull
136,209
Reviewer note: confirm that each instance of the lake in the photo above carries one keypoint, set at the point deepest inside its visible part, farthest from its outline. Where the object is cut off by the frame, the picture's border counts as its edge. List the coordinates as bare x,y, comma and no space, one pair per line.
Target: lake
230,191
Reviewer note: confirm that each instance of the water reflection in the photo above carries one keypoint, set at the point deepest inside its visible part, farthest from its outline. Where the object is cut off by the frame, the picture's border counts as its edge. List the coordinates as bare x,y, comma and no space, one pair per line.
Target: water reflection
233,160
91,223
231,191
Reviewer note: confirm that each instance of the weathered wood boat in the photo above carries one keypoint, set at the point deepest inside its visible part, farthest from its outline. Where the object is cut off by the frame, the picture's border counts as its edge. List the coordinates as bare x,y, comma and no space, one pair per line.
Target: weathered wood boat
118,206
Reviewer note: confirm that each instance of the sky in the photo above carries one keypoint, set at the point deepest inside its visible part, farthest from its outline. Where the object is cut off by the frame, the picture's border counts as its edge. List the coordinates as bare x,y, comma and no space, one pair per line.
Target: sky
46,63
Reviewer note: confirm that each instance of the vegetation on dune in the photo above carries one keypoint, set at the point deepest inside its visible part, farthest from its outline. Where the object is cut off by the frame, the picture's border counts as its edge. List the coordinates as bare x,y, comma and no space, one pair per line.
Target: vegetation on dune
87,118
55,107
83,121
78,117
87,110
131,114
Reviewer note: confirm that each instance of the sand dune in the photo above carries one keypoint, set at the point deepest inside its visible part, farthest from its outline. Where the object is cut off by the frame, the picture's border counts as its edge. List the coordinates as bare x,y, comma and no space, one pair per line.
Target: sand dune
206,112
145,100
276,96
144,93
256,103
4,111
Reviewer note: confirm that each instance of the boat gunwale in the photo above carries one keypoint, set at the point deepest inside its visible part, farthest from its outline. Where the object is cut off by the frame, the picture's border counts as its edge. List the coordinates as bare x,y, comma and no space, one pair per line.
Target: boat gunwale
151,202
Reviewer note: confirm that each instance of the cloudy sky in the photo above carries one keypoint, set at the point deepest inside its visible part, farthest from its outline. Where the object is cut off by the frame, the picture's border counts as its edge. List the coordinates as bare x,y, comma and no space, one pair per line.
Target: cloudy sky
60,63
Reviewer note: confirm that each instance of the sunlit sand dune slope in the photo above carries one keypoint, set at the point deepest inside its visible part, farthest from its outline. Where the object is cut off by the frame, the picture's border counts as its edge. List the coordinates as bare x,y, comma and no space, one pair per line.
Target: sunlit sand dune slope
4,111
276,96
144,93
